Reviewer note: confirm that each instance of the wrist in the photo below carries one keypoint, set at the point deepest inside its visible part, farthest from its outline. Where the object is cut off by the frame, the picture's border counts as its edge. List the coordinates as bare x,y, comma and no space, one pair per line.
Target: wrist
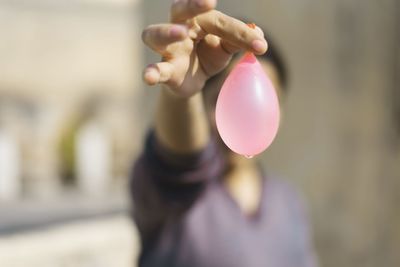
181,122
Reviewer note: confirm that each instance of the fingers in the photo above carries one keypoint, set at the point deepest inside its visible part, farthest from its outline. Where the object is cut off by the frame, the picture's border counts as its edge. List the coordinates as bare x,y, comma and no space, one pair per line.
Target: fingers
260,31
159,36
182,10
231,48
158,73
235,33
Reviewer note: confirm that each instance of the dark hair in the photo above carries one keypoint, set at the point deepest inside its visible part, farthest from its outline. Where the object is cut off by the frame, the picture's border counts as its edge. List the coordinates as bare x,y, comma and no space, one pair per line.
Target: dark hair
273,54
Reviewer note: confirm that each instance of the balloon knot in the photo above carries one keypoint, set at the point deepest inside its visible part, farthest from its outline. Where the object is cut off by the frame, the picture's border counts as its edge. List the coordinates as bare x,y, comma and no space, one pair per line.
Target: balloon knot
251,25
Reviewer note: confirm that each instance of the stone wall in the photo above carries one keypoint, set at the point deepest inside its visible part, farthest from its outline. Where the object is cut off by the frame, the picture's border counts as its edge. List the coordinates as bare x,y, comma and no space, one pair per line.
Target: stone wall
95,243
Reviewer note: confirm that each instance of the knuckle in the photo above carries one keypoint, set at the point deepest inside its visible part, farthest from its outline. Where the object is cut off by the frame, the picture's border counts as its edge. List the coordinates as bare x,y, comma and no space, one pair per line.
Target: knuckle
243,35
219,20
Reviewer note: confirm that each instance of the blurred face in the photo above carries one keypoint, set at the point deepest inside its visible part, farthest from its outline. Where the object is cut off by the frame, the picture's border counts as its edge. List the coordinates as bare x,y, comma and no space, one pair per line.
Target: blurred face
213,87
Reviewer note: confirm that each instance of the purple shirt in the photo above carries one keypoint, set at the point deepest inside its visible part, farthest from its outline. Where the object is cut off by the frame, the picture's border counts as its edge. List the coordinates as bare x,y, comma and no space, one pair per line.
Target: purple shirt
187,218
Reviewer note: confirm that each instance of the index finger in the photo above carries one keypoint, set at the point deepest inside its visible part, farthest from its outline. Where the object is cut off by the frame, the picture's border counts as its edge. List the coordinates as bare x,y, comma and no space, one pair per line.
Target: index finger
182,10
232,30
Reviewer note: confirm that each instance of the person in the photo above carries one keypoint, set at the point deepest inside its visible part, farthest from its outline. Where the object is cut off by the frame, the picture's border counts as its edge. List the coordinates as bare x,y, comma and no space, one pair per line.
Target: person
195,202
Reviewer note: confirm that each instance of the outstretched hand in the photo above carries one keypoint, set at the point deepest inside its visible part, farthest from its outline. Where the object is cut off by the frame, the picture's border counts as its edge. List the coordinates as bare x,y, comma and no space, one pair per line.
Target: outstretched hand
197,44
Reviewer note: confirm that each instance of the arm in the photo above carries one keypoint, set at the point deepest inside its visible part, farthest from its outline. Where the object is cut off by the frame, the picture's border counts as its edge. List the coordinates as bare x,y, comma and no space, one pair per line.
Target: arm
196,45
181,124
179,157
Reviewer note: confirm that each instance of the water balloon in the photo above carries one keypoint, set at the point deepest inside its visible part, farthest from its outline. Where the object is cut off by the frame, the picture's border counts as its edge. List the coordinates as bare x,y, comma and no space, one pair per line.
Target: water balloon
247,111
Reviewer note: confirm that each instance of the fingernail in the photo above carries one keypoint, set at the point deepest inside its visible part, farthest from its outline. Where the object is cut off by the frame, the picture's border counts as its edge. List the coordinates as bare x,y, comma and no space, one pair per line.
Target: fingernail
259,46
199,3
150,76
177,32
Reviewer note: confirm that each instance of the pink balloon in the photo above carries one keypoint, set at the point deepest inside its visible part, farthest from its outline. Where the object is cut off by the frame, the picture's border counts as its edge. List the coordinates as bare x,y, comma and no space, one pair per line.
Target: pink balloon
247,112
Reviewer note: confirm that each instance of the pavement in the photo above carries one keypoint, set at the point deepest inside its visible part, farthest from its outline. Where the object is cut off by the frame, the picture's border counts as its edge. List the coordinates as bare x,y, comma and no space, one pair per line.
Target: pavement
70,231
102,242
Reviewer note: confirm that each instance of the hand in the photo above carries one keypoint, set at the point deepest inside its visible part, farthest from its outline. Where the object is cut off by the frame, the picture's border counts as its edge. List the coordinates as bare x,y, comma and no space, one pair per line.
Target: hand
198,43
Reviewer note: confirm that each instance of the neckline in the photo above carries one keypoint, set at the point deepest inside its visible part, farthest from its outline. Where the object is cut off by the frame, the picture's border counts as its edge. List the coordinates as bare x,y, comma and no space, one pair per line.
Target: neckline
258,213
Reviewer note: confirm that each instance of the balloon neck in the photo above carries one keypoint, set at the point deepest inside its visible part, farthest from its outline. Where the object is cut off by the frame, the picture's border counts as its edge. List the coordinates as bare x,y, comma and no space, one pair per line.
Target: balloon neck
251,25
249,57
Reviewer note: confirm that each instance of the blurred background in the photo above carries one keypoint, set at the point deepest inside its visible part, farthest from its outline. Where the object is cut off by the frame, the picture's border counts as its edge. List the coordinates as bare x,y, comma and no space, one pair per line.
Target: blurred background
73,113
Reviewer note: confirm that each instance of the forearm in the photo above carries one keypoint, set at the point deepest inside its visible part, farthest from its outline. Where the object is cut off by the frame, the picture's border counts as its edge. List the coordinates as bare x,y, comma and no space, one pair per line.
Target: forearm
181,124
